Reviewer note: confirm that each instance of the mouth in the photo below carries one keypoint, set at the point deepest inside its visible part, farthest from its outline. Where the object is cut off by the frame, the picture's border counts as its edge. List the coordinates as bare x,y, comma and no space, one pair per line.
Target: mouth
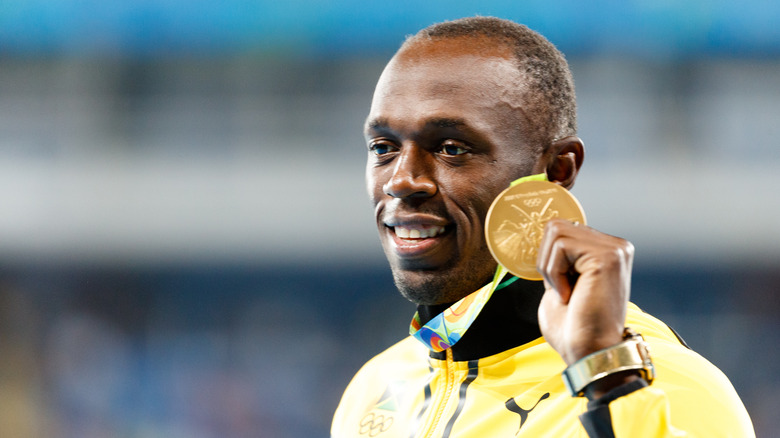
417,232
420,244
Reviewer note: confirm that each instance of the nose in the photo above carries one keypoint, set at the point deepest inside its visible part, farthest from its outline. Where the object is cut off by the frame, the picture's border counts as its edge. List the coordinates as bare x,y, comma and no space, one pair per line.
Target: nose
412,175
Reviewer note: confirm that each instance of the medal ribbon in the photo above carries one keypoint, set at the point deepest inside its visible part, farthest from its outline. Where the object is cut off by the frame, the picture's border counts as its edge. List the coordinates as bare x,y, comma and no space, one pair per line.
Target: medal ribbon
446,328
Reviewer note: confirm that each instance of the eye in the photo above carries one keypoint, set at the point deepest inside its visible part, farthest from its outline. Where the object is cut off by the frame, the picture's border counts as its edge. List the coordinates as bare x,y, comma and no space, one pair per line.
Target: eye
453,148
381,148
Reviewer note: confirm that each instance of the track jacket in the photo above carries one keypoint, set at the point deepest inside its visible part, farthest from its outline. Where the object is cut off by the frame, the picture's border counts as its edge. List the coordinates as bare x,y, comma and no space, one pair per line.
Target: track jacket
480,388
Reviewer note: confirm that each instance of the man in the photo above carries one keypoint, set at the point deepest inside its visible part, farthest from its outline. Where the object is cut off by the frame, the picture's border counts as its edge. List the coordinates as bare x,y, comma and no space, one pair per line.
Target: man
463,109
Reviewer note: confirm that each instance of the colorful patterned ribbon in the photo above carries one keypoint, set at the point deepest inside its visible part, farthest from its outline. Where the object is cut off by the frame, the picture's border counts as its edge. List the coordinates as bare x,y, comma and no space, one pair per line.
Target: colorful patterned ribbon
446,328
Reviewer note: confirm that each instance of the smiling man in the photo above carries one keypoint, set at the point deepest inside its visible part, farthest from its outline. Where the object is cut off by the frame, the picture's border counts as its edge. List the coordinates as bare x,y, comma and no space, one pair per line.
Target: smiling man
462,110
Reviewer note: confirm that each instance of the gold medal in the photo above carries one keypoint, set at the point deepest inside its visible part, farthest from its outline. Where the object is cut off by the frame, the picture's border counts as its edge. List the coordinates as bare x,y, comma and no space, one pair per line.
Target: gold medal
515,223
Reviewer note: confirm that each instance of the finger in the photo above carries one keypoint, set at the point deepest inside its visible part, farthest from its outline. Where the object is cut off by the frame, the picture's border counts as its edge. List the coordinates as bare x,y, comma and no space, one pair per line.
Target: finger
549,257
548,237
554,229
585,236
559,267
551,313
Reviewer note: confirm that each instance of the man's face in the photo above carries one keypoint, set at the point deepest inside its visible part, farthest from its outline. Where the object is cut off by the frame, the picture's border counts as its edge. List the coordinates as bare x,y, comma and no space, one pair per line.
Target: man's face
444,139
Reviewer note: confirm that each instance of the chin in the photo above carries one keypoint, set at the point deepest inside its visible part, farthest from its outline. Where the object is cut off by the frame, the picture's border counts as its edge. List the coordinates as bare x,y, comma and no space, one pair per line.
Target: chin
430,288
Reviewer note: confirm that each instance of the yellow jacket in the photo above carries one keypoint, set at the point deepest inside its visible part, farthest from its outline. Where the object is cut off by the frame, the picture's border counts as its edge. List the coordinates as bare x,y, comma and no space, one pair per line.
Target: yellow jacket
403,392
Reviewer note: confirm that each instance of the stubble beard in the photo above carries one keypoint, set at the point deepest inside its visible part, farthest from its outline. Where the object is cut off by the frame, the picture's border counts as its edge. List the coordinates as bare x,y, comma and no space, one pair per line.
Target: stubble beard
444,286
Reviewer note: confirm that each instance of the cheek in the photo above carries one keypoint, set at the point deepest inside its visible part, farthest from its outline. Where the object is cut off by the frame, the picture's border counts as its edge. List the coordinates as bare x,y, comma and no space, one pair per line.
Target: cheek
373,186
480,200
475,205
475,193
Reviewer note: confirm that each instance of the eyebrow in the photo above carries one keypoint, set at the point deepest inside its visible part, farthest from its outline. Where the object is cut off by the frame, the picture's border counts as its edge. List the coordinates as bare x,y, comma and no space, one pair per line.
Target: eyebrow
379,123
446,122
382,123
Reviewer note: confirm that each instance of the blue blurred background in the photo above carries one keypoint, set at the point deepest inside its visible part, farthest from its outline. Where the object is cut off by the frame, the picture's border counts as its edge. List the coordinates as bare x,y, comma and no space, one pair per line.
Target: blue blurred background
186,247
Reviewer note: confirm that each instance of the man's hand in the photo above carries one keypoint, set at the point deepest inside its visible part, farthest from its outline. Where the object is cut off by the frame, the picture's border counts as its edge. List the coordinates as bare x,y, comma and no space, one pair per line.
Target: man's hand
587,277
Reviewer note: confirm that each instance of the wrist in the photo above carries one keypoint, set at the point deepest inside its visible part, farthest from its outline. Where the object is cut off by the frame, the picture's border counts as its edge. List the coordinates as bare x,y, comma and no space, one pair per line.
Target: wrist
596,389
610,367
595,345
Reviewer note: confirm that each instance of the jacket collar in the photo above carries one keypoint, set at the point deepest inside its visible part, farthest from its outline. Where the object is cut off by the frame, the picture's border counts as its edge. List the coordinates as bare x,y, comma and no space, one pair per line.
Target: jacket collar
508,320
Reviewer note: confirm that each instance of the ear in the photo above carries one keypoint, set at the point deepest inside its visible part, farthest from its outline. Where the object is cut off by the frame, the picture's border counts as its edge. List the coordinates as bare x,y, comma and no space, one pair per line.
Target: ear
565,160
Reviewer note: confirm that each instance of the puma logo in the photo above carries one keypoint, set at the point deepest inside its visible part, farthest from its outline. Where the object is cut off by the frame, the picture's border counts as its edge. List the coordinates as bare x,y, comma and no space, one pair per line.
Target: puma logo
512,405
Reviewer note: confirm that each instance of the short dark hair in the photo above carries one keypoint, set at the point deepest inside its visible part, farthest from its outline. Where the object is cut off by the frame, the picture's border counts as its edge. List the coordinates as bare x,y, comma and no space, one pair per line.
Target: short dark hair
550,94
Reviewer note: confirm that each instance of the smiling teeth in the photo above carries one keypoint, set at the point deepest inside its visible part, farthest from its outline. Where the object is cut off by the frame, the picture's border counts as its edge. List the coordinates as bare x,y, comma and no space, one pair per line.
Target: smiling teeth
415,233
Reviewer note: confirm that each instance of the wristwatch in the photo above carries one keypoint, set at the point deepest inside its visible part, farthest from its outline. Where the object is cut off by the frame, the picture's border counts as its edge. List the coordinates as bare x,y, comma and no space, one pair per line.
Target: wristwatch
631,354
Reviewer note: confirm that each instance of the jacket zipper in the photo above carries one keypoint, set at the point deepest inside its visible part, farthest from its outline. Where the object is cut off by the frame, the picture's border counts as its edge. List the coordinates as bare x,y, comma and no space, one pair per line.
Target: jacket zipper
449,386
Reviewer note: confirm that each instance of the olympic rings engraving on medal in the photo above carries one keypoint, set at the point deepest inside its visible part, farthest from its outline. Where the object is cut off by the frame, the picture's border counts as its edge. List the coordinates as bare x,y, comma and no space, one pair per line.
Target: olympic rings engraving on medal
533,202
374,424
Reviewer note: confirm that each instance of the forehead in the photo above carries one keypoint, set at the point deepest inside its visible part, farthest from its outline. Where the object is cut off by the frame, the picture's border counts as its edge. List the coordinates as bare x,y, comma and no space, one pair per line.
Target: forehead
465,77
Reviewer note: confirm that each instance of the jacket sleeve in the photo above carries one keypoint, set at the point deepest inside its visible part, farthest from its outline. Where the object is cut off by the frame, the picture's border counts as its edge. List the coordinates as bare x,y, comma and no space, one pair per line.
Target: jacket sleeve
689,398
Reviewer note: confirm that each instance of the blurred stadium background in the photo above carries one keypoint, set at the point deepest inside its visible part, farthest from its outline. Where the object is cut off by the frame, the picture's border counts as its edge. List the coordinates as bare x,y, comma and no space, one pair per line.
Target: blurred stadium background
186,247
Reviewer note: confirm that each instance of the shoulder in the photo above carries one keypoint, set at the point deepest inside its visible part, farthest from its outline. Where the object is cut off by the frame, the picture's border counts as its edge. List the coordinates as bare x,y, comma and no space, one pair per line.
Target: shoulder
406,361
691,382
401,361
672,357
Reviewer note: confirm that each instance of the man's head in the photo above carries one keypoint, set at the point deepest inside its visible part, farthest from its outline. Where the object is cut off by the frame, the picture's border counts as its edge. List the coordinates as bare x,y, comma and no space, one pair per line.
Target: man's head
548,84
461,110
